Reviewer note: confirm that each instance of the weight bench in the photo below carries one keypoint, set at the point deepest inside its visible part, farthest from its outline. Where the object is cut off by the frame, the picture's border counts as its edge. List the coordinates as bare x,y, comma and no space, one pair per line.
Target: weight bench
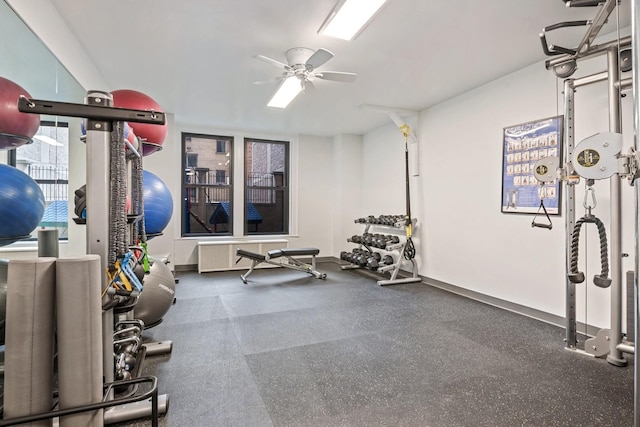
282,258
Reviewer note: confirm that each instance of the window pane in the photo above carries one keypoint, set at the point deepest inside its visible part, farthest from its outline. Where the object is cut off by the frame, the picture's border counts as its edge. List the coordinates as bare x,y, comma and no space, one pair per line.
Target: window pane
207,187
266,187
46,160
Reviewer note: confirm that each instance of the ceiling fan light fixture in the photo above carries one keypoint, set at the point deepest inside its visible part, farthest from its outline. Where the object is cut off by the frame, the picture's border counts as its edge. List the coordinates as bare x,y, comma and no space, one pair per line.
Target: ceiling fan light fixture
349,17
287,91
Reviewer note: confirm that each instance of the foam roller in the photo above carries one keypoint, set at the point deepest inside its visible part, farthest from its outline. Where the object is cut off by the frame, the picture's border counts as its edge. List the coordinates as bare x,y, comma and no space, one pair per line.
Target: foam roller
79,315
28,380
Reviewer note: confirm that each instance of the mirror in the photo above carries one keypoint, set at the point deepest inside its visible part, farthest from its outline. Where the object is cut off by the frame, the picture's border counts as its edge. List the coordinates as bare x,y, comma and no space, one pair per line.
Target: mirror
28,62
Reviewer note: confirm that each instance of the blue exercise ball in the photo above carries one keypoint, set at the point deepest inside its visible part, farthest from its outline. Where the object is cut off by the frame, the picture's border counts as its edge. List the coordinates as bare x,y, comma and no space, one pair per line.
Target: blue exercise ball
21,204
158,203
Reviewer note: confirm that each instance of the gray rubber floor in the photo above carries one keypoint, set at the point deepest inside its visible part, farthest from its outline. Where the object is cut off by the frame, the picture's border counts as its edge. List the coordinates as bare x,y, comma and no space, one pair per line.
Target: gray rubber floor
290,350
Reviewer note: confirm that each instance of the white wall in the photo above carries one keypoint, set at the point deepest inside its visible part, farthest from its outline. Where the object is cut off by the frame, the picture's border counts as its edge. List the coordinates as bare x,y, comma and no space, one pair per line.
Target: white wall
463,238
315,198
347,191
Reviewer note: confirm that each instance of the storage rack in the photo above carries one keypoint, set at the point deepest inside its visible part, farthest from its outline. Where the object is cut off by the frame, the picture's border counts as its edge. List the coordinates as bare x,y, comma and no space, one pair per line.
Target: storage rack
395,250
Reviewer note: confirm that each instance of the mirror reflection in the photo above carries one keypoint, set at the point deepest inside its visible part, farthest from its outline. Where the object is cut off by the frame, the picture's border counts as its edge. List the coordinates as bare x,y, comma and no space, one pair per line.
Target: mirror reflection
28,63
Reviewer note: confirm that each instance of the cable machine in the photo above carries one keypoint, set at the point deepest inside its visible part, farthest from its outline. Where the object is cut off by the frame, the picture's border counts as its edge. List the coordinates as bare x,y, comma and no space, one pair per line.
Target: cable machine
600,157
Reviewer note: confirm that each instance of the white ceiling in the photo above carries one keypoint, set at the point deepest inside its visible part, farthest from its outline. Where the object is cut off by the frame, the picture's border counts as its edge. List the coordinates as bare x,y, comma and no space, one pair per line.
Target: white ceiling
195,57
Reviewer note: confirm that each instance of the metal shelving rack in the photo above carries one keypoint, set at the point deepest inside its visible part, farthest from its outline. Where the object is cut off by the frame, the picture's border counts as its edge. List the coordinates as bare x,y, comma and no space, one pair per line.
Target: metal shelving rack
396,250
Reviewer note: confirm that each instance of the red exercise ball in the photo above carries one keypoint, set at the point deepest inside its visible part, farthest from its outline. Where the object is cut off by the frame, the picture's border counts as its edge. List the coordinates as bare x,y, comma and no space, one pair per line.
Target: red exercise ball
18,128
127,98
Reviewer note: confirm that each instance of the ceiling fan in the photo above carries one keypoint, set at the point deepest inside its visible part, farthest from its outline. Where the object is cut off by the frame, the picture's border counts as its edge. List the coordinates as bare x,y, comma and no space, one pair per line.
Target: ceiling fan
303,63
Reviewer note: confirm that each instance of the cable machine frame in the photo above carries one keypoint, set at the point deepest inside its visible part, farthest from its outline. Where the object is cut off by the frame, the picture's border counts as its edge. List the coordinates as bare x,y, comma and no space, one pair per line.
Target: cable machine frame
628,166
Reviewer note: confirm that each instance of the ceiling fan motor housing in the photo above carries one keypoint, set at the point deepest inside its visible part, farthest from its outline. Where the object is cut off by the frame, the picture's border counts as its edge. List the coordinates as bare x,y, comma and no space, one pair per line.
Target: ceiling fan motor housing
298,56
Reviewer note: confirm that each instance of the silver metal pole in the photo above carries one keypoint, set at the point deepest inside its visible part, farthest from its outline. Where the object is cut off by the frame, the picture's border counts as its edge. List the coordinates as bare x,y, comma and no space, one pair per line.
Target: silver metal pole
98,194
570,220
635,75
615,356
593,78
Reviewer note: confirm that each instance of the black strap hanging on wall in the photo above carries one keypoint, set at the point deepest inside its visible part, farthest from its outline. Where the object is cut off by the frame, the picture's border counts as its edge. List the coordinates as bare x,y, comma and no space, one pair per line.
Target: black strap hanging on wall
409,249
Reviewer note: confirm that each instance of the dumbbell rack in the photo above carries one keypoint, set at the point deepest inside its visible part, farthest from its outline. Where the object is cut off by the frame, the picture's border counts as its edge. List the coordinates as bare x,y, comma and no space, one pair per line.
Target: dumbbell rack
396,250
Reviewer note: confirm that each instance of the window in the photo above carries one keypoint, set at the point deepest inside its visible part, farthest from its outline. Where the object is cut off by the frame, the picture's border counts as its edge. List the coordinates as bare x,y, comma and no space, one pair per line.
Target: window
266,187
221,146
46,160
207,188
221,176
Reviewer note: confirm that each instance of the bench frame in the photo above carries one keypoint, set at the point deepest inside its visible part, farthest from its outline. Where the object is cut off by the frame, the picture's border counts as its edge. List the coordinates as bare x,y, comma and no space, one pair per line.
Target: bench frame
282,258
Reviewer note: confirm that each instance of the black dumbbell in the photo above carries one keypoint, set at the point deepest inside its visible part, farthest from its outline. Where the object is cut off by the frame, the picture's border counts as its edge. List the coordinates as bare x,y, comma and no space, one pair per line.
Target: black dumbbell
372,263
387,260
362,259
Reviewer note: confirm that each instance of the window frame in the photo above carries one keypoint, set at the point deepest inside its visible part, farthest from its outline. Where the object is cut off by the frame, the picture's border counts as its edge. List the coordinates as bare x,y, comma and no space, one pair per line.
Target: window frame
12,160
285,189
183,184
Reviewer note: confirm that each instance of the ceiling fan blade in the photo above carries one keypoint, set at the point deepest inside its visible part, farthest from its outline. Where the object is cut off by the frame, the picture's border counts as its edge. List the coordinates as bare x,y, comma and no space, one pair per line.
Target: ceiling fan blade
273,62
308,87
337,76
319,57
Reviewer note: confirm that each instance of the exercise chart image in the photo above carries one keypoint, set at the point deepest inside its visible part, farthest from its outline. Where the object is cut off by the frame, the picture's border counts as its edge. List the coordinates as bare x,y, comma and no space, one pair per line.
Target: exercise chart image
522,146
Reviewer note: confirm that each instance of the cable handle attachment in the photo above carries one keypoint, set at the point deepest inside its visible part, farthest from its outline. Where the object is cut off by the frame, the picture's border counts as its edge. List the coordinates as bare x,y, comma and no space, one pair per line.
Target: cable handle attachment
601,280
548,225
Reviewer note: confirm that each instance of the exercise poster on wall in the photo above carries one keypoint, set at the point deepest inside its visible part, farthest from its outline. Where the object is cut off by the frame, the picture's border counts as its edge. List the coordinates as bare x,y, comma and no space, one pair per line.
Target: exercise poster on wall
523,146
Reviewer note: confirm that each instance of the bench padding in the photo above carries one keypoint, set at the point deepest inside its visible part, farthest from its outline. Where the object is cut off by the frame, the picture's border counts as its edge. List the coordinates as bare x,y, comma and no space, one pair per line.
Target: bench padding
300,251
276,253
250,255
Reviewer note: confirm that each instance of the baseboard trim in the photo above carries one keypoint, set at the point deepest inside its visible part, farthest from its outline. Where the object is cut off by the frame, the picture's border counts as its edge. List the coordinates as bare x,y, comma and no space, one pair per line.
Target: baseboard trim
185,267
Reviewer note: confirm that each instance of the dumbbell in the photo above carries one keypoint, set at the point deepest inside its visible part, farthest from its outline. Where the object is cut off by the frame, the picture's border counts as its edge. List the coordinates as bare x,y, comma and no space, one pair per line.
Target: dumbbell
362,259
343,255
356,238
349,257
392,240
361,220
387,260
373,261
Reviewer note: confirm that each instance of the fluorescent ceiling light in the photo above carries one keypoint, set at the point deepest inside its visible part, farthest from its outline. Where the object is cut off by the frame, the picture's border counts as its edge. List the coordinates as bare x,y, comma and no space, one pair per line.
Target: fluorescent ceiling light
289,89
48,140
349,17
